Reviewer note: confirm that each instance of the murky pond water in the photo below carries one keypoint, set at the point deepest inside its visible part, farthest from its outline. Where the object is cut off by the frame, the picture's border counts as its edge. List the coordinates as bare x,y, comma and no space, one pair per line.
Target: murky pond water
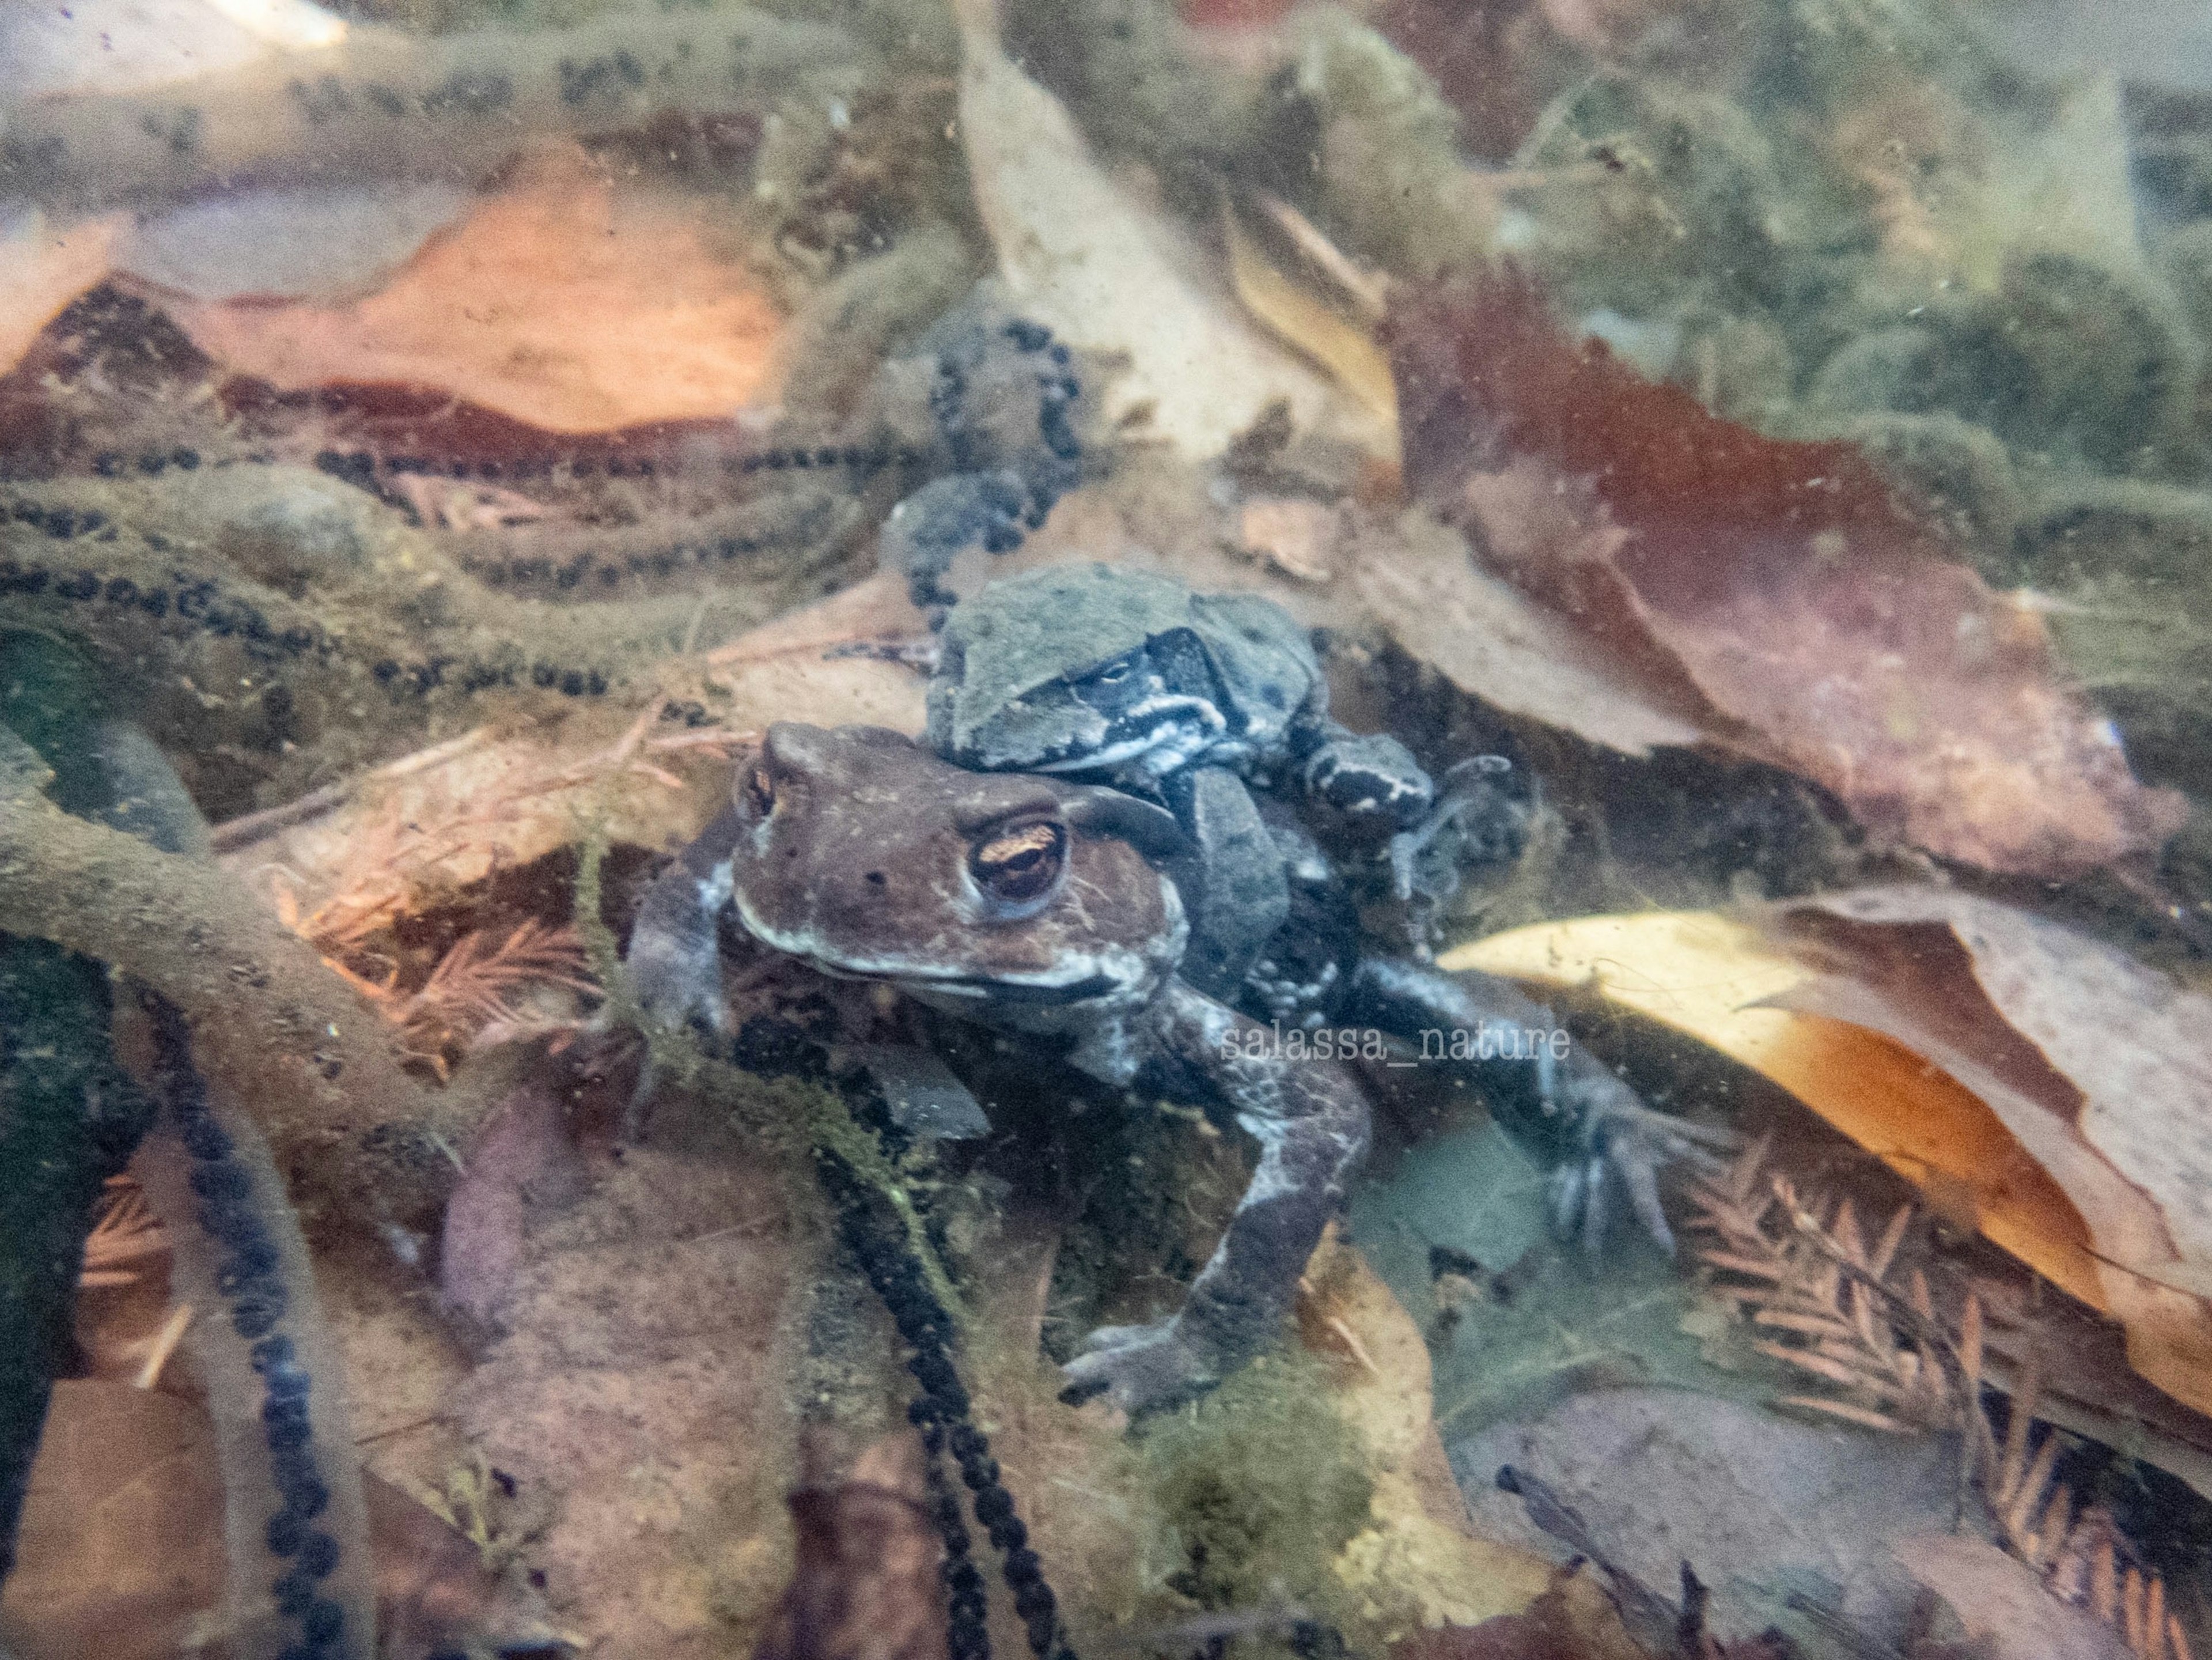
898,827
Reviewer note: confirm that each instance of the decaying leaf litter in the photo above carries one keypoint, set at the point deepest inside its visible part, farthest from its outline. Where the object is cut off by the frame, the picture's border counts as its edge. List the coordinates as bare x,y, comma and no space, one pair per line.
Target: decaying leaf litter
1870,628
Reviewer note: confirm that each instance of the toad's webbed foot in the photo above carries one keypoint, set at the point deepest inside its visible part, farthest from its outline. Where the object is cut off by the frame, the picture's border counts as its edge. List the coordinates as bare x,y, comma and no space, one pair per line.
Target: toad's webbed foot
1140,1368
1627,1144
676,973
1369,775
1545,1087
1474,819
674,963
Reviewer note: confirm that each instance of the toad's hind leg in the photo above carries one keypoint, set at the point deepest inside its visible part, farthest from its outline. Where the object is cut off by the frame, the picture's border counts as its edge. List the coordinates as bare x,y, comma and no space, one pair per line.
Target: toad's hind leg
1311,1121
1369,775
1543,1085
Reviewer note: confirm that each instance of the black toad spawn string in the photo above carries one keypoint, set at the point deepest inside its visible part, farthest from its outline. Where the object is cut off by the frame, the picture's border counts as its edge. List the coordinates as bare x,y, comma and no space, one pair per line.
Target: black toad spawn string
294,1524
942,1413
98,568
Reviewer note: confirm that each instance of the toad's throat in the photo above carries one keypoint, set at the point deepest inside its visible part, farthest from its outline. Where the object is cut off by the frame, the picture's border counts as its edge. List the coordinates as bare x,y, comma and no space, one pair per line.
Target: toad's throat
1039,990
1156,738
1089,978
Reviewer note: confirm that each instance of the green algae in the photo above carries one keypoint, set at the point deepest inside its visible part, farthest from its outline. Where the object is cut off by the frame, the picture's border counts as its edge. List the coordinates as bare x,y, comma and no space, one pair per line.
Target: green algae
1260,1484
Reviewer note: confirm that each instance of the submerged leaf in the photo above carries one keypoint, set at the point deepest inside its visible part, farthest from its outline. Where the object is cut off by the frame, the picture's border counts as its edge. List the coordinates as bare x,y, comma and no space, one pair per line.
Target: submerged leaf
1418,1556
864,1585
1107,271
1492,641
122,1537
43,267
2056,1086
122,1546
136,45
1303,319
2004,1608
1572,1621
1822,626
436,1593
2100,1067
288,243
521,1162
1758,1503
560,301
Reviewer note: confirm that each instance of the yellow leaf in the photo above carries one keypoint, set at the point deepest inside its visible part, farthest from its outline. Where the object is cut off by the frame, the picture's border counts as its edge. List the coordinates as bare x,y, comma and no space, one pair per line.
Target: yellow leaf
1419,1562
1710,976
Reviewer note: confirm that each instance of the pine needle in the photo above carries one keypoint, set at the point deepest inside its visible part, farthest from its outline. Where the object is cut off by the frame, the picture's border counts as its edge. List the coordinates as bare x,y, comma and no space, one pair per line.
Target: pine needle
164,1344
1865,1321
127,1231
2013,1466
2021,1511
2104,1581
477,986
1884,1251
1844,1409
2051,1531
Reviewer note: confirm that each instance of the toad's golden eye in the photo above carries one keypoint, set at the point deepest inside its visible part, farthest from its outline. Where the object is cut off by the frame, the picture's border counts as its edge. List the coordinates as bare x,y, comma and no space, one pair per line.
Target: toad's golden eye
759,792
1019,864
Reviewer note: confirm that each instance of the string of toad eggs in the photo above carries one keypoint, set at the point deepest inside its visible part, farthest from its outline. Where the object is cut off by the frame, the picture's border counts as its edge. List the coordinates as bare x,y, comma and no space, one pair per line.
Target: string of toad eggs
941,1412
980,504
249,1278
997,519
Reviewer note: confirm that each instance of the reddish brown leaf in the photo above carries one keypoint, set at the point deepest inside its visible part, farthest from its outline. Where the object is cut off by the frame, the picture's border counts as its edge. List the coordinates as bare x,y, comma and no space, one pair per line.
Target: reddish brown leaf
43,266
1487,60
1824,624
521,1160
122,1547
435,1593
864,1585
121,1536
1572,1621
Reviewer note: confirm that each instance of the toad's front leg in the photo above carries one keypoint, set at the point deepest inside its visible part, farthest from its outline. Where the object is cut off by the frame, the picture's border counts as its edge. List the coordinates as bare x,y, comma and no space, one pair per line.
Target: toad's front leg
674,960
1311,1119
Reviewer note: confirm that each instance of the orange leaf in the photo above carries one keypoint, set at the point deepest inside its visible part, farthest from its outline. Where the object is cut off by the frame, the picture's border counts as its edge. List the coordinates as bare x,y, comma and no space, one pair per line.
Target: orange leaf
42,267
1716,979
1981,1051
558,301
